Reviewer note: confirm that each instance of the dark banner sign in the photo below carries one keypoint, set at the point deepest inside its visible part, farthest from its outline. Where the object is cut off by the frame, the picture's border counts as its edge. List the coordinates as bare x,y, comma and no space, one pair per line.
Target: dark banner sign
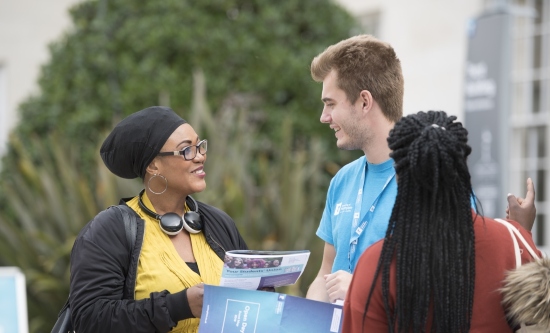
485,108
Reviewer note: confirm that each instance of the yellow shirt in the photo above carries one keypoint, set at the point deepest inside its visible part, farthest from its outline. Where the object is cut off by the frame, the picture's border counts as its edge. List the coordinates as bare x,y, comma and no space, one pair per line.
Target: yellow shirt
160,267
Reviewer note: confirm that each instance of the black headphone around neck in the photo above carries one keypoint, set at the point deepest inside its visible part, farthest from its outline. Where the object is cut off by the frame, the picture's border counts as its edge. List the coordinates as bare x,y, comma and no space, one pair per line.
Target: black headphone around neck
172,223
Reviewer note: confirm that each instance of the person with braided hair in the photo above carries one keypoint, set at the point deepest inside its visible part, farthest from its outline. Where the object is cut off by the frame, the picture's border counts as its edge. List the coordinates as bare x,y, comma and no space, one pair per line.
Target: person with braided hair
441,265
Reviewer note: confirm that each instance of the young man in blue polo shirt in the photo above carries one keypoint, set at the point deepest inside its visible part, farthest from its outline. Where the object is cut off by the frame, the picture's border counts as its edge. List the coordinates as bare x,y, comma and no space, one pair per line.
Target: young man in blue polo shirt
363,98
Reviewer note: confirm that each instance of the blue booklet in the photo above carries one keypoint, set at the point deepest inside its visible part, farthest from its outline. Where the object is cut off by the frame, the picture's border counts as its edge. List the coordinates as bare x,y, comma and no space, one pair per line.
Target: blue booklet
232,310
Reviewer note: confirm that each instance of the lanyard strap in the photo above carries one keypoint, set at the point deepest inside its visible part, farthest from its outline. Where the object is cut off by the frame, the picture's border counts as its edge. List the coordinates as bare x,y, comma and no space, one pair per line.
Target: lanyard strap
357,229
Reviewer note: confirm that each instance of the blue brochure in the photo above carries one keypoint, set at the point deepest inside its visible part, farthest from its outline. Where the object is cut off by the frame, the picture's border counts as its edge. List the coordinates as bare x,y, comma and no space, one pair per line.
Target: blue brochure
231,310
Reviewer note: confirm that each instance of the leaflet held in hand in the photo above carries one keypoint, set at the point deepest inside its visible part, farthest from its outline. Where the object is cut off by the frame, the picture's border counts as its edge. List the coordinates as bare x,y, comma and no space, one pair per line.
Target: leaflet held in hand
249,269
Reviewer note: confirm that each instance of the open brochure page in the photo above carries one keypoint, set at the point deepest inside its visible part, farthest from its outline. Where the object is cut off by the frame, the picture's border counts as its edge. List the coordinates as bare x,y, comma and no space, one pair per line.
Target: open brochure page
230,310
258,269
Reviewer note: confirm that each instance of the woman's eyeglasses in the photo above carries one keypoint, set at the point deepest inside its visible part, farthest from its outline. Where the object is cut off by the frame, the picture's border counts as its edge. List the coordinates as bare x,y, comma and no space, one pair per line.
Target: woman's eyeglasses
188,152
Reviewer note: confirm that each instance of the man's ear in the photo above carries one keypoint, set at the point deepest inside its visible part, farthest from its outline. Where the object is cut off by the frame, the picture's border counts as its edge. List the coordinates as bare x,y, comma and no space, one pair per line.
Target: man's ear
366,99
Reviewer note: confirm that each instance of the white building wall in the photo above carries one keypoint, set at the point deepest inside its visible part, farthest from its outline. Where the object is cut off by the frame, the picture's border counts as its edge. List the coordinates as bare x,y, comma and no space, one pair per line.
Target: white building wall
430,38
26,29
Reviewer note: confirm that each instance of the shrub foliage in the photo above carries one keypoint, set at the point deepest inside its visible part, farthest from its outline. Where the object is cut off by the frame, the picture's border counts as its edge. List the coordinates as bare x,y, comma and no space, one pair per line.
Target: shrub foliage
270,160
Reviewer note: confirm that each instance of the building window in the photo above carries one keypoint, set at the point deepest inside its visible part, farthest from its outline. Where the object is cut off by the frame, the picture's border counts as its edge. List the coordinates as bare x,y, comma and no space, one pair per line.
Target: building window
530,115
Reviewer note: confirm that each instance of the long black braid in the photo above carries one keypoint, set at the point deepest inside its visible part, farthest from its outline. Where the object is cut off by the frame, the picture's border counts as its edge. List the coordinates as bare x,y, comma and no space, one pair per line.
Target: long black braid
430,233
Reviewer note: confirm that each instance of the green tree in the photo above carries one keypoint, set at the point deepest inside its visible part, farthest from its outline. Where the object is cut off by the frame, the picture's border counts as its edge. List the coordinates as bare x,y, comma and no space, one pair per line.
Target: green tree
42,209
122,56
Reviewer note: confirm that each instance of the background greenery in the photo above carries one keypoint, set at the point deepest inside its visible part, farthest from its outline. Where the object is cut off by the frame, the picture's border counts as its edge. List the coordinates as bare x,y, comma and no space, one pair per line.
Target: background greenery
238,71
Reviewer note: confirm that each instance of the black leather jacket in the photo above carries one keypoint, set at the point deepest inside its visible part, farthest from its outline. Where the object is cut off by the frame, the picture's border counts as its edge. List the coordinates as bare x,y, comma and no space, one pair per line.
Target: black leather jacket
104,269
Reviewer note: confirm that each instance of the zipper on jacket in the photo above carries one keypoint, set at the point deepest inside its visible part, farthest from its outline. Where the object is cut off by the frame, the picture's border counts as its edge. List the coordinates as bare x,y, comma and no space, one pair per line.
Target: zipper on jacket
212,238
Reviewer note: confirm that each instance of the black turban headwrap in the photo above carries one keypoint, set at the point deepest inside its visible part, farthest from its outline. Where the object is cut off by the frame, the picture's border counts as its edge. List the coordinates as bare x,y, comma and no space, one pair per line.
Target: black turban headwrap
137,139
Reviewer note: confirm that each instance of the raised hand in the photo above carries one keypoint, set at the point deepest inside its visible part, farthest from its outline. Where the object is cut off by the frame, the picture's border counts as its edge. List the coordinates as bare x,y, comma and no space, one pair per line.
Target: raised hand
522,210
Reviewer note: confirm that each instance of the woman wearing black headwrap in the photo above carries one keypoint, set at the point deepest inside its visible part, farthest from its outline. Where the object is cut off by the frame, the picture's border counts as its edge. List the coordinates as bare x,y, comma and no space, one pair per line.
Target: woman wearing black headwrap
156,285
441,265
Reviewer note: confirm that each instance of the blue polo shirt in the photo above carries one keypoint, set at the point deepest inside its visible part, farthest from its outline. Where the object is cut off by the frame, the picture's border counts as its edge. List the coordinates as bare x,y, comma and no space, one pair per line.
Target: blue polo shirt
336,224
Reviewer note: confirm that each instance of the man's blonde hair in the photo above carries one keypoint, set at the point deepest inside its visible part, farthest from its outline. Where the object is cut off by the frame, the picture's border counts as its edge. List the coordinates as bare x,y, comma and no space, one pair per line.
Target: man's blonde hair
364,63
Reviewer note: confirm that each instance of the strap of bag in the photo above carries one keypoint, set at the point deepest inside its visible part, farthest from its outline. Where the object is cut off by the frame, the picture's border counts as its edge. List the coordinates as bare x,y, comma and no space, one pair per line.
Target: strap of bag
517,251
515,234
63,323
130,225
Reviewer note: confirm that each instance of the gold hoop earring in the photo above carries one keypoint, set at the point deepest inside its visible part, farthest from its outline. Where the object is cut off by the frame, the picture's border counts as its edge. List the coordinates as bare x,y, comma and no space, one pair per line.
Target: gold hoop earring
165,183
